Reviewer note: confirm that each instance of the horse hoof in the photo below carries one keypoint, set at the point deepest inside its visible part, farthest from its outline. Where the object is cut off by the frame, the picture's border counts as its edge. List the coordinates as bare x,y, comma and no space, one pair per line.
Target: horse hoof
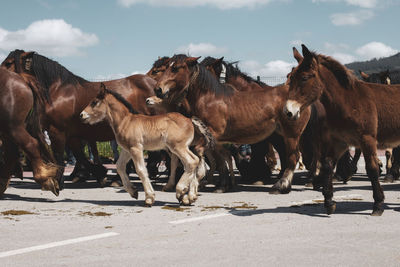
377,212
51,185
148,202
116,184
168,188
219,190
330,208
309,184
102,182
388,179
77,180
258,183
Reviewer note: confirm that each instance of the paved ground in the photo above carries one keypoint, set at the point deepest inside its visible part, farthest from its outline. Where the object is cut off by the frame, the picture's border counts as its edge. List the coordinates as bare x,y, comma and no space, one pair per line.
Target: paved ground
91,226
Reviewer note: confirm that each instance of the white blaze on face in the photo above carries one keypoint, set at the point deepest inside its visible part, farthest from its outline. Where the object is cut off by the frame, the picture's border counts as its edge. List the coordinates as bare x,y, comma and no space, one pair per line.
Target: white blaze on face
388,80
292,109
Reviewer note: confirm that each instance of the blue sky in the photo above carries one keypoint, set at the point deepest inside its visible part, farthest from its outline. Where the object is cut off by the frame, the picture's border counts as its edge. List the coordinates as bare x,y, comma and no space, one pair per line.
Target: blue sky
108,39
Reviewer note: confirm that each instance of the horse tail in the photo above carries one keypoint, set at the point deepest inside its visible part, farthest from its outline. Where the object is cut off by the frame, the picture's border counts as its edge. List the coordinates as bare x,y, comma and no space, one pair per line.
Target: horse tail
203,131
34,124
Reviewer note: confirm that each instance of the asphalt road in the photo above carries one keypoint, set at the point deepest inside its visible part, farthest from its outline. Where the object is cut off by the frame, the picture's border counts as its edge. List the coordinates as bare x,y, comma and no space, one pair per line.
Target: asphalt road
91,226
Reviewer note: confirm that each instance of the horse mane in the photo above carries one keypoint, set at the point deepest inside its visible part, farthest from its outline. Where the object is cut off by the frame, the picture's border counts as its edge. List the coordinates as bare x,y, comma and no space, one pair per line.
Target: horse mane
232,69
345,77
121,99
160,62
211,84
48,71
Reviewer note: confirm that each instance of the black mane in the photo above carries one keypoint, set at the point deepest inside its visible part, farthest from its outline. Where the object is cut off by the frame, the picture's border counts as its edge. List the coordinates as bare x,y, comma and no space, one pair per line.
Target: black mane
160,62
121,99
208,82
232,69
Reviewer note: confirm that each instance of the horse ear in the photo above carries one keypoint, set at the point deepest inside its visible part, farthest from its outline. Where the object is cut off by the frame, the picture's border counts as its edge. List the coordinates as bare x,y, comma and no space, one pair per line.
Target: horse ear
192,60
364,75
218,61
102,92
297,55
306,52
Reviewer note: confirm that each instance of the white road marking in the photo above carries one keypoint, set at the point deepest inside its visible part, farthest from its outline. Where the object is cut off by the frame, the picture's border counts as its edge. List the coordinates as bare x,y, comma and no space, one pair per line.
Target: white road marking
56,244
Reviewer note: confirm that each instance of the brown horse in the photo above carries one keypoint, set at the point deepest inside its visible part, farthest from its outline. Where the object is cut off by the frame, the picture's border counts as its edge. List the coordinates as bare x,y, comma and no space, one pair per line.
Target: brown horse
20,126
135,132
358,113
233,116
230,74
66,95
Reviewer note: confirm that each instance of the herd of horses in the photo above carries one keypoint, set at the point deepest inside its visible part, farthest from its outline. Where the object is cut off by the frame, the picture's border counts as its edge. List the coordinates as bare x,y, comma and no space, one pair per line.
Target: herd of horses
191,109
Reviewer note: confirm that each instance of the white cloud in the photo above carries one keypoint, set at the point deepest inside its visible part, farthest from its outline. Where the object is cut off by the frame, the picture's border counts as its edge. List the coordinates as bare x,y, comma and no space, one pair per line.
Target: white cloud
351,18
51,37
272,72
343,57
221,4
359,3
201,49
375,50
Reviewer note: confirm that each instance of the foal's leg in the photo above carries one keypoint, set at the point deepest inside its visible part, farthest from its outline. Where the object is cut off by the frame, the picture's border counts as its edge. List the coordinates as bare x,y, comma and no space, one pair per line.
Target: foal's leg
123,159
368,147
141,170
169,187
187,186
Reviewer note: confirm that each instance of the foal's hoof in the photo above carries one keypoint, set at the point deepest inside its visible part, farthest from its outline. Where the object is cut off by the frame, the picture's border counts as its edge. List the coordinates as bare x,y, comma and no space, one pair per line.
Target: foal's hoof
330,207
185,200
148,202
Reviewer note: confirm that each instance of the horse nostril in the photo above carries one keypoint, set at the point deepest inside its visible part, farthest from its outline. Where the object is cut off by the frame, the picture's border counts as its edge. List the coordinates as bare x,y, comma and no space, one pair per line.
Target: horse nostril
81,116
289,114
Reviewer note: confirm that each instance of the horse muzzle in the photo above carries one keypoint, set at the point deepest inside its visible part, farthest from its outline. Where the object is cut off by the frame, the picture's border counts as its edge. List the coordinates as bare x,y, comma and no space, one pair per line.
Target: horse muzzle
292,110
84,115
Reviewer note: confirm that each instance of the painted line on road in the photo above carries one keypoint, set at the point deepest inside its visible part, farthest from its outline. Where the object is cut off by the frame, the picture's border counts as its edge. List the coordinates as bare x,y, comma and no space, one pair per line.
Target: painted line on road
56,244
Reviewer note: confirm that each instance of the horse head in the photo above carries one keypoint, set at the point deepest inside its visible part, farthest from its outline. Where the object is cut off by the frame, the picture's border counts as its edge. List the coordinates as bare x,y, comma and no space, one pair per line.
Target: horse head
177,76
158,68
305,86
18,61
216,67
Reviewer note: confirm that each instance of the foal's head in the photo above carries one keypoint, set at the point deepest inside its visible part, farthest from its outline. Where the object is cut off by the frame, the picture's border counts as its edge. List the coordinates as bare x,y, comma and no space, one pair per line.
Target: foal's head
305,85
96,111
177,75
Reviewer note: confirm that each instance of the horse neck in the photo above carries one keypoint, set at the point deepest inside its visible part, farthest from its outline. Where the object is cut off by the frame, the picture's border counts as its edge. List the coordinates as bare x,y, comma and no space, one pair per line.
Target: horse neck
116,111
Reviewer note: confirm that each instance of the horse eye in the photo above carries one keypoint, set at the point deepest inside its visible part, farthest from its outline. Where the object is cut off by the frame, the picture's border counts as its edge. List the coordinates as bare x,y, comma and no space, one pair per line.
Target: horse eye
94,103
305,78
155,71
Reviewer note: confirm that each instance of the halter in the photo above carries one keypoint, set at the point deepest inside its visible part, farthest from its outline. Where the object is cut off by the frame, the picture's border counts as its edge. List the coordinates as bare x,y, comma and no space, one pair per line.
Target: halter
222,76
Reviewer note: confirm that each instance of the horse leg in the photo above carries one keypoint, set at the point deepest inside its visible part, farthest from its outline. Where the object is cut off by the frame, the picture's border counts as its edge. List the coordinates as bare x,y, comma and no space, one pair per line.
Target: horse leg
344,168
43,173
213,166
58,146
98,171
141,170
368,147
389,165
169,187
279,144
334,150
10,155
356,158
123,159
258,168
284,185
396,163
224,183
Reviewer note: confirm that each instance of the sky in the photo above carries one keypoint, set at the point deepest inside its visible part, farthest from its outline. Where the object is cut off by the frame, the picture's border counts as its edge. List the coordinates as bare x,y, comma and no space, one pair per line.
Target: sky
100,40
